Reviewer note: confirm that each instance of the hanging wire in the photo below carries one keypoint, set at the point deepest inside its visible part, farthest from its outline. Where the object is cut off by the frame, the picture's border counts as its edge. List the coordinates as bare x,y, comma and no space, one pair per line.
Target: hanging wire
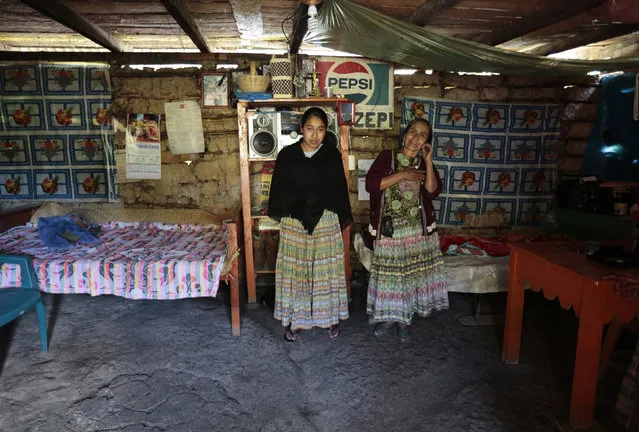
288,18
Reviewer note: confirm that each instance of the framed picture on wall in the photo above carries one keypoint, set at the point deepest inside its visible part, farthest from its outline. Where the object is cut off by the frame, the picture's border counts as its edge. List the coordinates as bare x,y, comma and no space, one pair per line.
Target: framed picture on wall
346,113
215,90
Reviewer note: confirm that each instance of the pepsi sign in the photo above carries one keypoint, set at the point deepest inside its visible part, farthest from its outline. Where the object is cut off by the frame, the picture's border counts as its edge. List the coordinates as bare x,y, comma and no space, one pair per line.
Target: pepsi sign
367,82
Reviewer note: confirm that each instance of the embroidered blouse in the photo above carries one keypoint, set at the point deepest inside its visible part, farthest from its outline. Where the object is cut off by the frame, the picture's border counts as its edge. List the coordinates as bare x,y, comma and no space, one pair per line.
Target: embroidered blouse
382,167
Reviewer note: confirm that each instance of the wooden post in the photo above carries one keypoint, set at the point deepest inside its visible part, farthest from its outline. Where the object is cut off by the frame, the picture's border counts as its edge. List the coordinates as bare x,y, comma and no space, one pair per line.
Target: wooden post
242,131
233,241
346,235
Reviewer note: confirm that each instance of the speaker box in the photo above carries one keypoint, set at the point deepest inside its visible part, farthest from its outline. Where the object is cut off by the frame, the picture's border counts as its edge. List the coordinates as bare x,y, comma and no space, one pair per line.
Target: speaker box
263,133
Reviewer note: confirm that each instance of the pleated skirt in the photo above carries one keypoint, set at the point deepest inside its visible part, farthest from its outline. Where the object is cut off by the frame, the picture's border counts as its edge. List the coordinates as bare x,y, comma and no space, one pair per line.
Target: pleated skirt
310,281
407,277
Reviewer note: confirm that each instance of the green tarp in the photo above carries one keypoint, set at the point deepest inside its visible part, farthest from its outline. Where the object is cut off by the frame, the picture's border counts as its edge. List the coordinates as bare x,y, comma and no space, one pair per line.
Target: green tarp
348,27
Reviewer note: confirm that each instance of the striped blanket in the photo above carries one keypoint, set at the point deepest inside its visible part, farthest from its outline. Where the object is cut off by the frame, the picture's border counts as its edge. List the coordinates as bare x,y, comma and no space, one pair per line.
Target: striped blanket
133,260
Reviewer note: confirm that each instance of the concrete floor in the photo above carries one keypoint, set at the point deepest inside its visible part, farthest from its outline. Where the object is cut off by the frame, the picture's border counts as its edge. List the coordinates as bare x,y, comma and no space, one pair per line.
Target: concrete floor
122,365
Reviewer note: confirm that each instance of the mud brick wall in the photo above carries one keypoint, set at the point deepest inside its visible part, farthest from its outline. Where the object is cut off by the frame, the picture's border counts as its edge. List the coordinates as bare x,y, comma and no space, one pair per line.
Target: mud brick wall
211,181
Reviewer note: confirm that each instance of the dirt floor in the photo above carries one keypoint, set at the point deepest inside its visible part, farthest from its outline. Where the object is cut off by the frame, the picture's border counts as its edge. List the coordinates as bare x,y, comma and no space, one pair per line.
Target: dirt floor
122,365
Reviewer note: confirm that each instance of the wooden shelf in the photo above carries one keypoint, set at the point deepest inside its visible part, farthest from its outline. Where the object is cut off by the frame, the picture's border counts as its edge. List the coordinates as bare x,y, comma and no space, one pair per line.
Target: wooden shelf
247,217
264,271
296,102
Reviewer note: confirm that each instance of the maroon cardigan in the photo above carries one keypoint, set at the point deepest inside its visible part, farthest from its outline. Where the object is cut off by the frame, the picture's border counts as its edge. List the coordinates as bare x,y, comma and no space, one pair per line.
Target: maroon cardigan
382,167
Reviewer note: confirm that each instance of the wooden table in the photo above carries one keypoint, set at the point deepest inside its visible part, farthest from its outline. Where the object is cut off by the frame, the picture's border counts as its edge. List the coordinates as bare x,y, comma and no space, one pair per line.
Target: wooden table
578,283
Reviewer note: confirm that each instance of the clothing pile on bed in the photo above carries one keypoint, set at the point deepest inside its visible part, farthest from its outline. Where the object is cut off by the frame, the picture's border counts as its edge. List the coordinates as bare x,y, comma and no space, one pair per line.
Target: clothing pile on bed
496,246
473,245
65,231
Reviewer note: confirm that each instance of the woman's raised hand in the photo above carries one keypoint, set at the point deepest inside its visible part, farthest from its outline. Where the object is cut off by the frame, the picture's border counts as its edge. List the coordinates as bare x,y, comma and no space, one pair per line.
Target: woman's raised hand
427,152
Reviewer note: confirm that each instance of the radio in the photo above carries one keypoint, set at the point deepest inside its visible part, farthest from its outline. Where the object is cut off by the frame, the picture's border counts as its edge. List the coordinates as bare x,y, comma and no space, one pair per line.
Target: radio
289,127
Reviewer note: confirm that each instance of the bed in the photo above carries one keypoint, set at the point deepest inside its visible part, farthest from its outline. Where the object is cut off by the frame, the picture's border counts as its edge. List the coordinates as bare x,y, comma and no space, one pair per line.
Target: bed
465,274
157,254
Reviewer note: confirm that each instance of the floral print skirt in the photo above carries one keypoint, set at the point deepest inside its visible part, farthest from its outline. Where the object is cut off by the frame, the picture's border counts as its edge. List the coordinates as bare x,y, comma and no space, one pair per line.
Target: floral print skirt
407,276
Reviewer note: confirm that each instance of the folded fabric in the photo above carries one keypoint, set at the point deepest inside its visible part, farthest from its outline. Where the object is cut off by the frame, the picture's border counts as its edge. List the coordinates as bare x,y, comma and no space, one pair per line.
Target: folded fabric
59,232
465,249
493,246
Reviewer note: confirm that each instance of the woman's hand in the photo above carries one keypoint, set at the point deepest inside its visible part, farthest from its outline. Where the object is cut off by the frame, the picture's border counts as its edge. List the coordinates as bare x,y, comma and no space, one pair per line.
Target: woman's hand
412,174
427,152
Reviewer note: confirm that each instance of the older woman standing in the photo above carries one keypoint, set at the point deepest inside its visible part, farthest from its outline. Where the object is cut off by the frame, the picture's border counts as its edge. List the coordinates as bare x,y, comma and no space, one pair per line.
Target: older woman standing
309,196
407,275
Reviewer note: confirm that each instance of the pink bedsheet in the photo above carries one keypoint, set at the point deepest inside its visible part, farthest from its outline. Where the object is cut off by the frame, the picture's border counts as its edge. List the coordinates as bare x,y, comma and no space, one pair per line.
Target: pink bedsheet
132,260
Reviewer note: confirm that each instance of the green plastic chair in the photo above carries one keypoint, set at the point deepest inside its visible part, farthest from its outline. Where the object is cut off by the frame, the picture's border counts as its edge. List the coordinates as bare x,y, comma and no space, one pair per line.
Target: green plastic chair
14,302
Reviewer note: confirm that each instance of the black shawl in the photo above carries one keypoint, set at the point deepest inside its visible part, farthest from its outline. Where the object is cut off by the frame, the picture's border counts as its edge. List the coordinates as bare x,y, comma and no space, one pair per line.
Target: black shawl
302,188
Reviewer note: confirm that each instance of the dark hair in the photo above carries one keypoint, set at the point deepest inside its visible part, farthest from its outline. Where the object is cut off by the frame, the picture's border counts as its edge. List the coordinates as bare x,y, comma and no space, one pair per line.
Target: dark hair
418,119
314,112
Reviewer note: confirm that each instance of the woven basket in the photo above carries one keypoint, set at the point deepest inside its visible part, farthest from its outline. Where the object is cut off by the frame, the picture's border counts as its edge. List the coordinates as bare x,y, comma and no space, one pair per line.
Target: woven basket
50,209
282,77
253,82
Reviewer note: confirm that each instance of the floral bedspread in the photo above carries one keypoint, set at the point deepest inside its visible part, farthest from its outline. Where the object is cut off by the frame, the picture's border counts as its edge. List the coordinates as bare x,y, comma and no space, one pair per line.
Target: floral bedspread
133,260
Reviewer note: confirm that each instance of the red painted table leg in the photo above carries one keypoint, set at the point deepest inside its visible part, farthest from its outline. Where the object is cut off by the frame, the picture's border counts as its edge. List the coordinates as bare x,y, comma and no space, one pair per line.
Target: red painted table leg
514,313
584,381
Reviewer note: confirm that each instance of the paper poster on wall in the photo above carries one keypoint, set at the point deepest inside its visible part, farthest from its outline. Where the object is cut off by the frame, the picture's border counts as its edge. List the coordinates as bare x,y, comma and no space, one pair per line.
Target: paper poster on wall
119,153
120,166
368,83
363,165
143,152
265,185
184,127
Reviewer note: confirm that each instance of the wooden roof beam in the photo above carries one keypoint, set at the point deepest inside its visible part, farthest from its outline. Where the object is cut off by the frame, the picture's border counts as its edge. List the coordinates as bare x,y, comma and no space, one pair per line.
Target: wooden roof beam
597,34
557,11
126,58
76,22
183,16
429,10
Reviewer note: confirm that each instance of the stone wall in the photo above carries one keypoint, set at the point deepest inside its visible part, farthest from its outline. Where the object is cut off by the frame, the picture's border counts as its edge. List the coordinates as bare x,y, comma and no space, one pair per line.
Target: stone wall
212,182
